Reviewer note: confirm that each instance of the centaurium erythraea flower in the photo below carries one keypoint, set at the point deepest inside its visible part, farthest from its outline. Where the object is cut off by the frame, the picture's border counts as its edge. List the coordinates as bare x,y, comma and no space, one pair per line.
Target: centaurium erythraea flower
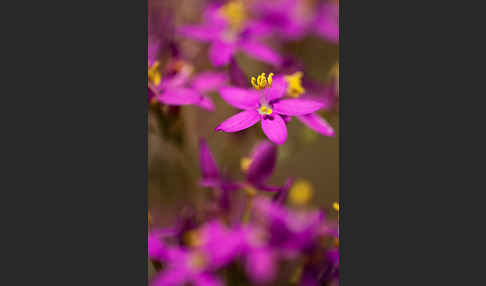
264,103
229,29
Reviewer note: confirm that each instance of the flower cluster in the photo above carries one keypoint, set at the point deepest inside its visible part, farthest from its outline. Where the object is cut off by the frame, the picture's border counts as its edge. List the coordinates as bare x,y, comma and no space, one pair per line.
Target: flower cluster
264,235
249,229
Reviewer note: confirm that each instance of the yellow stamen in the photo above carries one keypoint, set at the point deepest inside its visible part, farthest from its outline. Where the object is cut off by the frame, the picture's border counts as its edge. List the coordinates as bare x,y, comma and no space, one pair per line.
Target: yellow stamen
193,238
294,82
301,193
245,164
235,14
265,110
154,76
262,82
197,261
335,206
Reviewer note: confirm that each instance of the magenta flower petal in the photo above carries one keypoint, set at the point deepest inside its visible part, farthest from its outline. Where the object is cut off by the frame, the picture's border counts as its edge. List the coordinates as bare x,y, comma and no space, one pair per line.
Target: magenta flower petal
277,90
156,249
207,163
317,123
179,96
275,129
220,53
327,22
261,265
239,121
294,107
263,160
200,33
206,103
207,81
261,52
207,280
240,98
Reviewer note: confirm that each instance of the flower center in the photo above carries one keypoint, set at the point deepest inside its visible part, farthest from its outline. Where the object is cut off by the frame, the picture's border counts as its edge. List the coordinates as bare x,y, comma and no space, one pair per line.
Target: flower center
265,110
154,76
235,14
294,82
196,261
262,82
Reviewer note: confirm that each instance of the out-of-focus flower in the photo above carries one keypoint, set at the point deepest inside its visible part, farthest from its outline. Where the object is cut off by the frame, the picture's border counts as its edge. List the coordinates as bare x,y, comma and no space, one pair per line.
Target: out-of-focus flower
290,19
327,22
301,193
228,28
264,104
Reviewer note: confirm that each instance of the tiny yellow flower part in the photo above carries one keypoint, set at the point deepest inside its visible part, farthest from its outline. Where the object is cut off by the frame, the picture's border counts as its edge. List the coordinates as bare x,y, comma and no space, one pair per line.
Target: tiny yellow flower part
335,206
245,163
336,242
265,110
149,219
301,193
294,82
197,261
193,238
261,81
154,76
250,191
235,14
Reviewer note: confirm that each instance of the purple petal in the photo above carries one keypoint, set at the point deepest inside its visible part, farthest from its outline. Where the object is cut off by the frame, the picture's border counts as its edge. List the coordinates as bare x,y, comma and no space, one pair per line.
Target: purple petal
281,196
200,33
207,280
240,98
327,22
151,94
261,265
207,163
317,123
179,96
206,103
239,121
296,106
277,90
275,129
263,160
207,81
156,249
220,53
237,76
261,52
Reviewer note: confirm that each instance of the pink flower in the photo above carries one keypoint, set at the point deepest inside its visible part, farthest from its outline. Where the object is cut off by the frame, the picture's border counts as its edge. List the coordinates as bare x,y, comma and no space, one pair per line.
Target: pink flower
264,104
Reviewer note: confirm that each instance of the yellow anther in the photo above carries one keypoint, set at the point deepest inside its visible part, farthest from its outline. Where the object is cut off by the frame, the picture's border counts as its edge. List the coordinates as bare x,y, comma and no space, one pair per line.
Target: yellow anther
262,82
301,192
265,110
335,206
294,82
270,79
154,75
193,238
245,164
234,13
149,219
197,261
250,191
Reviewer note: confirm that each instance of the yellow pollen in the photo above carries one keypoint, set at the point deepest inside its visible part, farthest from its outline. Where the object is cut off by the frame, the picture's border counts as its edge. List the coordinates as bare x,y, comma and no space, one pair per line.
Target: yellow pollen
149,219
250,191
154,76
193,238
197,261
234,13
335,206
294,82
301,193
245,164
265,110
262,82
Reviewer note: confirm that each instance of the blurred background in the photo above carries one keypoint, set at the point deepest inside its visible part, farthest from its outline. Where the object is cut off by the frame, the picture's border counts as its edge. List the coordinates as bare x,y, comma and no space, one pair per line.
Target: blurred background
173,146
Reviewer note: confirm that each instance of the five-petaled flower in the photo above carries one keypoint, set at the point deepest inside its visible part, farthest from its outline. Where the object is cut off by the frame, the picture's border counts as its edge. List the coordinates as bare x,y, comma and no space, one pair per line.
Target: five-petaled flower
229,30
264,103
